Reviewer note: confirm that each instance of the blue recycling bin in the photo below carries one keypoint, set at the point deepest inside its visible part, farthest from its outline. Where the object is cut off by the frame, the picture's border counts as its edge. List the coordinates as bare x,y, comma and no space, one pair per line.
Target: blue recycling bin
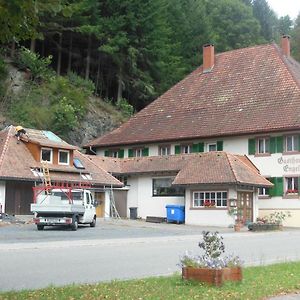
175,213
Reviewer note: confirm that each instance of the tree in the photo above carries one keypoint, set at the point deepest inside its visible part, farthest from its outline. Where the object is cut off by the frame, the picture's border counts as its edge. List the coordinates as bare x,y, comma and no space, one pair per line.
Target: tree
285,25
296,39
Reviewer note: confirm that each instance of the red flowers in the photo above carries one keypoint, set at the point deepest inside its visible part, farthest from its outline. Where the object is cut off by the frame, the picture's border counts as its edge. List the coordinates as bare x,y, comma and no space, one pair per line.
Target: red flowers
292,191
209,203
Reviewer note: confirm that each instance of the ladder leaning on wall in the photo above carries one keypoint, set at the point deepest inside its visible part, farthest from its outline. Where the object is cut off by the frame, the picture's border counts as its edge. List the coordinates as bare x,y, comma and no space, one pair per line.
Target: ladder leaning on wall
113,210
46,177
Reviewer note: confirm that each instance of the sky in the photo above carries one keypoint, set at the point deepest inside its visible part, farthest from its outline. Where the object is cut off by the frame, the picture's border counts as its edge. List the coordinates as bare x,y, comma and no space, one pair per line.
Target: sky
285,7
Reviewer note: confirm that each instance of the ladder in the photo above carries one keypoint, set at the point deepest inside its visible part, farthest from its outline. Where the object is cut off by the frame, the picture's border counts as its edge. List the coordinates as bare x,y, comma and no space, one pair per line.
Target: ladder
46,177
113,210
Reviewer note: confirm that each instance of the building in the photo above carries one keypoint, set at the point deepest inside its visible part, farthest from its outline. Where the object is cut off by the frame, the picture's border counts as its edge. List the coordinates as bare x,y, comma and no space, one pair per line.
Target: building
244,101
20,169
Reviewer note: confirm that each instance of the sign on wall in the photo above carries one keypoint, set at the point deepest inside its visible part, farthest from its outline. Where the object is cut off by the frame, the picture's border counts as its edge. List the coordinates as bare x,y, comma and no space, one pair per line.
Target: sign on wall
290,164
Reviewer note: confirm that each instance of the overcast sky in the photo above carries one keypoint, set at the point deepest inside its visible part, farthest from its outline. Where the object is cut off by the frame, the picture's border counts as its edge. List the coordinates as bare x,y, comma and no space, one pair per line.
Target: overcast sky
285,7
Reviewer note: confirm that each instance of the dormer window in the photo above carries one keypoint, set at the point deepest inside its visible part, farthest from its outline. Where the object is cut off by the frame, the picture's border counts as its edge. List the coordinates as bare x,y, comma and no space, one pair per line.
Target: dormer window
63,157
47,155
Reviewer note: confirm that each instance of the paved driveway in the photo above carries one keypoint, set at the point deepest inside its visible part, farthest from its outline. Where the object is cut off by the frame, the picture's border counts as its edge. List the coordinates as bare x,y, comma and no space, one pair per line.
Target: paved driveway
121,250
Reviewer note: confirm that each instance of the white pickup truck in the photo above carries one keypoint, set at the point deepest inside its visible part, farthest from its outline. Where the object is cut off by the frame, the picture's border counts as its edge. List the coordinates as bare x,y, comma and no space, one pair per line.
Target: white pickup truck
68,207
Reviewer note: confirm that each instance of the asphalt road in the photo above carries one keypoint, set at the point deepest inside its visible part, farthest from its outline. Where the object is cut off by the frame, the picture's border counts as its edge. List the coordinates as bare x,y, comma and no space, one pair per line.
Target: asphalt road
121,251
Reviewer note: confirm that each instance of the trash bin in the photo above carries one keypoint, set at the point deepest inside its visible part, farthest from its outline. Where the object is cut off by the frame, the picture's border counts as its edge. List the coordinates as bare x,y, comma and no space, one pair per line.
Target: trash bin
133,213
175,213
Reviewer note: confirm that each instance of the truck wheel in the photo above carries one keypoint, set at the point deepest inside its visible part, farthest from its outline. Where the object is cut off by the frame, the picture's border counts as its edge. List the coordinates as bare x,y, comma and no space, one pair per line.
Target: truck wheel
93,224
74,225
40,227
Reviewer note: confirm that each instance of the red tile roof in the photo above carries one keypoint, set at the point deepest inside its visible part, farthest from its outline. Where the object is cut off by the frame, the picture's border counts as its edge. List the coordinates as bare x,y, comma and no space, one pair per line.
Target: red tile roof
17,163
204,168
250,90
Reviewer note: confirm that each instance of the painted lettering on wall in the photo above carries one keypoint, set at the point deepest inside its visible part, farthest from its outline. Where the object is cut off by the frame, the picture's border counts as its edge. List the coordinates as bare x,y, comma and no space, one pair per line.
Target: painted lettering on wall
290,164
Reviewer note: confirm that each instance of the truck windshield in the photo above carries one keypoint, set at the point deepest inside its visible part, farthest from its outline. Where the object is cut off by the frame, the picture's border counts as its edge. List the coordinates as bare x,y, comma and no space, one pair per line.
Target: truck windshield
64,196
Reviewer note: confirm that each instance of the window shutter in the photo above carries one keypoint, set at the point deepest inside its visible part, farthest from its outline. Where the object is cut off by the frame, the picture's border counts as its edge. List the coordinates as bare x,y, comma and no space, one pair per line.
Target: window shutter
272,189
177,149
279,144
272,144
251,146
195,148
219,145
121,153
145,152
279,186
299,143
106,153
201,147
130,152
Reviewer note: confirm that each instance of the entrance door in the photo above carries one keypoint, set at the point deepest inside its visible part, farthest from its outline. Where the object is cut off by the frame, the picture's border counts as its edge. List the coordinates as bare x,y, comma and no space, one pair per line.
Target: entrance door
245,206
100,198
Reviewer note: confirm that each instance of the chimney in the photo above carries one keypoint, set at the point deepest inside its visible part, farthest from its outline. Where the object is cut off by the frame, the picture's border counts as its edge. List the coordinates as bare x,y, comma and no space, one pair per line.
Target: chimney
286,45
208,57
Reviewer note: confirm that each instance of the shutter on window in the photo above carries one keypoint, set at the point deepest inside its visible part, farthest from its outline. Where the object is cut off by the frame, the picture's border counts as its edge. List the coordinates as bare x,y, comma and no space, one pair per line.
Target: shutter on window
272,144
195,148
106,153
272,189
299,143
177,149
201,147
219,145
145,152
251,146
279,144
279,184
130,152
121,153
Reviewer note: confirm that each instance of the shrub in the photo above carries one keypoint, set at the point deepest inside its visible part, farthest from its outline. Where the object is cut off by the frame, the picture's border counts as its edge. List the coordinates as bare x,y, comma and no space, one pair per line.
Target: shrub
87,86
125,107
3,76
38,66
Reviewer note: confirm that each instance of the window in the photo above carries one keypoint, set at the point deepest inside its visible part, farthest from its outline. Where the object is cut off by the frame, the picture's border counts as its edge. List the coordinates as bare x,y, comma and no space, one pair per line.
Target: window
46,155
291,143
210,199
263,145
164,150
186,149
291,185
263,191
113,153
163,187
212,147
138,152
63,157
78,164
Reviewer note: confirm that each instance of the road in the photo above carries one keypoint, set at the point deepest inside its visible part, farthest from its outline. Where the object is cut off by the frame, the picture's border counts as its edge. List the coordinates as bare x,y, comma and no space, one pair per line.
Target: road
29,263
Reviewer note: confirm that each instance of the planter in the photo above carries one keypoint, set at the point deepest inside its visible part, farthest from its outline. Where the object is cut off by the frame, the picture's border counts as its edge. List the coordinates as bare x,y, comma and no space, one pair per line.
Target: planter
212,276
237,227
264,227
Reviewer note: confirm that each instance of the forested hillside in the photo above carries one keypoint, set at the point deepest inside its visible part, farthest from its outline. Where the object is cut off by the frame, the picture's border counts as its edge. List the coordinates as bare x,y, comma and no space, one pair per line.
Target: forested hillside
126,52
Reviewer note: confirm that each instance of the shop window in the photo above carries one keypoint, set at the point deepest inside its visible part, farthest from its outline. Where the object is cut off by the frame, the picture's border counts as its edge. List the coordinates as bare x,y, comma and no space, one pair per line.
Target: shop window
263,145
164,150
209,199
291,185
163,187
47,155
63,157
291,143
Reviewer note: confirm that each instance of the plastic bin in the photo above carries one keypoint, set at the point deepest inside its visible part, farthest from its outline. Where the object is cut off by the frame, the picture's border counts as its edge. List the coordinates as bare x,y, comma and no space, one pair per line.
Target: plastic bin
175,214
133,213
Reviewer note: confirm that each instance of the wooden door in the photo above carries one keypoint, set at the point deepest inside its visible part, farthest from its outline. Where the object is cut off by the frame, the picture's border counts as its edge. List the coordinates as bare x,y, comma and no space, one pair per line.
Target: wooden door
245,206
100,208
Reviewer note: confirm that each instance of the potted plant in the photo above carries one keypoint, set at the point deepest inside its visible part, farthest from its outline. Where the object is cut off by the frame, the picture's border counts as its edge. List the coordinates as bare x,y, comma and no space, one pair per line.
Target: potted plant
210,267
236,214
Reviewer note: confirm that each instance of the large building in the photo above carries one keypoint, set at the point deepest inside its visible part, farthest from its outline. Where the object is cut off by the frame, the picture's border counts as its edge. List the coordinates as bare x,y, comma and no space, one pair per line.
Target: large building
245,102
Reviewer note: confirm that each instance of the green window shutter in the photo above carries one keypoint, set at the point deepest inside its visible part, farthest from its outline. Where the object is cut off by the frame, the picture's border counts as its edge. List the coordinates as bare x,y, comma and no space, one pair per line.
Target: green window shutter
130,152
177,149
219,145
121,153
272,144
145,152
272,189
195,148
279,185
106,153
279,144
251,146
299,143
201,147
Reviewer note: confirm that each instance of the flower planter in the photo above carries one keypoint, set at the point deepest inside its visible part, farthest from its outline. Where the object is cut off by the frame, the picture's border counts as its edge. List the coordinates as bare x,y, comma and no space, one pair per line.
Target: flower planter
264,227
212,276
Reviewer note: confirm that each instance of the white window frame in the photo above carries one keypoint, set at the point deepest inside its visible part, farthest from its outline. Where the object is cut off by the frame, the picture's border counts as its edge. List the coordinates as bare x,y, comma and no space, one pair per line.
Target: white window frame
137,152
211,144
114,153
204,193
293,186
294,146
263,192
164,150
51,155
186,149
264,141
68,160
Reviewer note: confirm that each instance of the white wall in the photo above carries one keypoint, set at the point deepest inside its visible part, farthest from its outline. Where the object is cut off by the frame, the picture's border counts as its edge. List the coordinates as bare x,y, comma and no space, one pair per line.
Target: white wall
140,196
2,195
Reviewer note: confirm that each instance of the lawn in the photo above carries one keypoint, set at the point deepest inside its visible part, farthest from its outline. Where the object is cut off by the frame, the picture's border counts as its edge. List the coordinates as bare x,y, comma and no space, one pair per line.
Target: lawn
258,283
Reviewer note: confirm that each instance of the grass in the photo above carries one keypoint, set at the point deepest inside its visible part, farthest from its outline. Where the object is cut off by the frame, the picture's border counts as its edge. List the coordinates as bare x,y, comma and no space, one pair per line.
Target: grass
258,283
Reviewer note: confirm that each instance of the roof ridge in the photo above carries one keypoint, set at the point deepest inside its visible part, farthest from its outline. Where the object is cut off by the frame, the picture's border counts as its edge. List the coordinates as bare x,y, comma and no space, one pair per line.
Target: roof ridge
5,146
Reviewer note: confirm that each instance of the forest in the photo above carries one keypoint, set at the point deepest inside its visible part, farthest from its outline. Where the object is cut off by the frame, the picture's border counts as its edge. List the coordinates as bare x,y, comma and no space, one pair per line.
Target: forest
129,52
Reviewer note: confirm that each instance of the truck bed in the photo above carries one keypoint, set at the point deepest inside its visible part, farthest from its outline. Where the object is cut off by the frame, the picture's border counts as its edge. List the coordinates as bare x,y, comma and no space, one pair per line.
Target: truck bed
57,208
